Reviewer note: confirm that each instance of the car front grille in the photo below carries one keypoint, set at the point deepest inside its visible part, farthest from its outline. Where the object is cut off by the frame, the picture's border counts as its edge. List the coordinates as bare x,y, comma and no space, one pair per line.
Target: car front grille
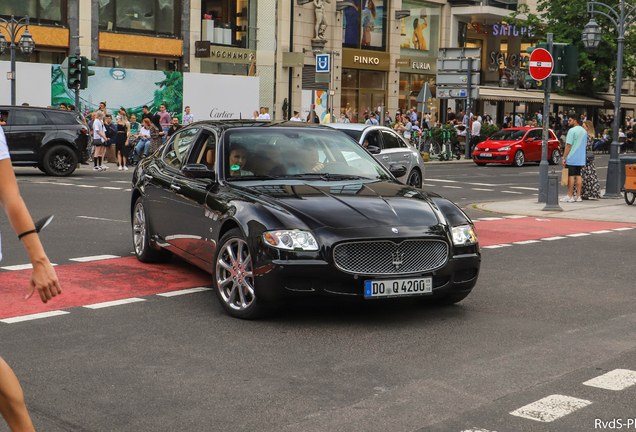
390,258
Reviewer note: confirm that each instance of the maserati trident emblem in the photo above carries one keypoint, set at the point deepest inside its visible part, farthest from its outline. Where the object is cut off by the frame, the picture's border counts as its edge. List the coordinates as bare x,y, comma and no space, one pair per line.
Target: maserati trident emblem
395,230
397,259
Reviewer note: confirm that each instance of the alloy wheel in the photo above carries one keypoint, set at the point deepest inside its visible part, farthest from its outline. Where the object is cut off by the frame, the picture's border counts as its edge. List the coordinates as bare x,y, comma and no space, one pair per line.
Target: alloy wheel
139,229
519,158
414,179
234,278
556,157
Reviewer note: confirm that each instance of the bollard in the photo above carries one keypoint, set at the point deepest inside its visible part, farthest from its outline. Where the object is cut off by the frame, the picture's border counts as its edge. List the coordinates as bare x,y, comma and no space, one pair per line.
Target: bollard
552,203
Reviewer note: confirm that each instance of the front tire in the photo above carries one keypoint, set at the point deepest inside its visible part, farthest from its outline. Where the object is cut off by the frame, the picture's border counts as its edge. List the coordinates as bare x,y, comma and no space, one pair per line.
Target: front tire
59,161
630,197
415,179
481,163
519,159
233,277
141,237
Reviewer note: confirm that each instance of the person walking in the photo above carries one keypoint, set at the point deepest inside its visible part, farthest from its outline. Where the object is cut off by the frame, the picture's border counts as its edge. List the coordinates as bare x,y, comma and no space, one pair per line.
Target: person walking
121,140
574,158
156,134
187,117
475,131
591,189
99,140
43,281
111,135
164,120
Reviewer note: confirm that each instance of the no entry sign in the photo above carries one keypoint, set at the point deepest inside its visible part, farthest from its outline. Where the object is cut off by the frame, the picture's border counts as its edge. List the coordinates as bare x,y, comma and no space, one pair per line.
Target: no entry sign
541,64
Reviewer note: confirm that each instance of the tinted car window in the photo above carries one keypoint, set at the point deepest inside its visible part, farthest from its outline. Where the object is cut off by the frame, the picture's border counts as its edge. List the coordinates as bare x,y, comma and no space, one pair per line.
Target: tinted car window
60,118
508,135
26,117
373,138
536,134
390,140
353,134
179,146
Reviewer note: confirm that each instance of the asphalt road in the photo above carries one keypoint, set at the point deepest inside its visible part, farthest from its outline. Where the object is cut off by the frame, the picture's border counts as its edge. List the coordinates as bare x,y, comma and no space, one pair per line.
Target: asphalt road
544,318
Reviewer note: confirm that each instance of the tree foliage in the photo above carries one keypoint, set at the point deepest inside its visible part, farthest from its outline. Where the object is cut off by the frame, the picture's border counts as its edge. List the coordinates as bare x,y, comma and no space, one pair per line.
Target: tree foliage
566,19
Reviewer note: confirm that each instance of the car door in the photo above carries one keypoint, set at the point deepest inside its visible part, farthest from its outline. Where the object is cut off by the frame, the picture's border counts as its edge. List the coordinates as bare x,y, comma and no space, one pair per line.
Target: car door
374,139
532,145
398,149
25,133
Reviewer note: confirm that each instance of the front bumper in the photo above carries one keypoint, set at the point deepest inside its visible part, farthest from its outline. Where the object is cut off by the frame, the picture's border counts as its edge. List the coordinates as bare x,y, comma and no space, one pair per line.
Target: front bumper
497,157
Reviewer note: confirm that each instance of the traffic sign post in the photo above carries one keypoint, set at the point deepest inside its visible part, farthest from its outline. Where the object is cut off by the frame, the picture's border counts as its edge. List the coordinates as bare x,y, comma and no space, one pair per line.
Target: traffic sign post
323,63
541,66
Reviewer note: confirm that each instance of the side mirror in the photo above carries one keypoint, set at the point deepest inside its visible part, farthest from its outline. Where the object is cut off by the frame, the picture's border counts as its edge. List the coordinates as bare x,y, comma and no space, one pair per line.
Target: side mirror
529,139
374,149
197,171
398,170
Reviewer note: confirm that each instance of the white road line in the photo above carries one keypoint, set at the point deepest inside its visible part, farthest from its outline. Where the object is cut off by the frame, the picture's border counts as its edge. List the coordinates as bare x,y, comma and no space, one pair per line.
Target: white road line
550,408
114,303
33,316
618,379
96,218
515,217
20,267
526,242
120,181
127,190
552,238
524,188
452,187
184,291
438,180
487,190
512,192
110,187
86,186
578,235
623,229
485,184
496,246
425,184
476,430
94,258
601,232
490,219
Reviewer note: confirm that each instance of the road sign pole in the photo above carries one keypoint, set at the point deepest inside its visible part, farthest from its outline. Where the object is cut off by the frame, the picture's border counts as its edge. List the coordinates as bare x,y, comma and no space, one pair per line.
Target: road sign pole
543,165
469,85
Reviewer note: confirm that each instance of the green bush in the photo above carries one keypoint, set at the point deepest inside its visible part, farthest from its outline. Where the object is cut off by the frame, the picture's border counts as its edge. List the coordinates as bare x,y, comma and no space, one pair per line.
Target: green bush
488,130
438,133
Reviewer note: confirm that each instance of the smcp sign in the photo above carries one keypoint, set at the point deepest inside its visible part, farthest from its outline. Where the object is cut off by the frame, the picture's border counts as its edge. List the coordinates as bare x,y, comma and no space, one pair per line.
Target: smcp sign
322,63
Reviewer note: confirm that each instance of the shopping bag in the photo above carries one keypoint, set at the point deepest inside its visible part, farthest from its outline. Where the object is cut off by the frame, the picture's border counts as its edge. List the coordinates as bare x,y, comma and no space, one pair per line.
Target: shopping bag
564,177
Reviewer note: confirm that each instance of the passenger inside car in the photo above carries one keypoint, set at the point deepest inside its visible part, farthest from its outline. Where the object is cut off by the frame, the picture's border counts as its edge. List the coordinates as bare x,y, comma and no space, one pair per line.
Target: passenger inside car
238,159
4,115
267,160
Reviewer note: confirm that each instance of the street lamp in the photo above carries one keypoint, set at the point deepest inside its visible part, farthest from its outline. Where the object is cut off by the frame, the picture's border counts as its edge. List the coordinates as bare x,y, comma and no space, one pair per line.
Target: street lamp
622,17
26,43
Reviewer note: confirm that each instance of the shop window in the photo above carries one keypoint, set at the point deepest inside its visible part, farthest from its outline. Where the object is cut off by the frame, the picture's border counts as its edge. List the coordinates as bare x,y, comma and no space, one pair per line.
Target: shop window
350,78
151,17
48,12
419,33
372,80
364,25
230,20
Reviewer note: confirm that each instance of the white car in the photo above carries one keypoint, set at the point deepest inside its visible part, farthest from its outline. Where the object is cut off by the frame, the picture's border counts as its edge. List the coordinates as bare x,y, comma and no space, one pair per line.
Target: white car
388,147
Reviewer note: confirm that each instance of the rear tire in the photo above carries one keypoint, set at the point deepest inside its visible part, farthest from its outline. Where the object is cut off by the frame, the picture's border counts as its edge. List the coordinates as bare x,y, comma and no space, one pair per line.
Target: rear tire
555,157
415,179
141,237
59,161
630,197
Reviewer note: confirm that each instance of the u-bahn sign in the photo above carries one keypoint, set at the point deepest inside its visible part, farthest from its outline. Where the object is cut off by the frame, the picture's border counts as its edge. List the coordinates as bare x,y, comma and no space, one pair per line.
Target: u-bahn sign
540,64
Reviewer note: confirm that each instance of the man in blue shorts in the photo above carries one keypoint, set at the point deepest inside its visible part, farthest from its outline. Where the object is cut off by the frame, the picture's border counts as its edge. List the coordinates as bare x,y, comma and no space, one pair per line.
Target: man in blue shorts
574,158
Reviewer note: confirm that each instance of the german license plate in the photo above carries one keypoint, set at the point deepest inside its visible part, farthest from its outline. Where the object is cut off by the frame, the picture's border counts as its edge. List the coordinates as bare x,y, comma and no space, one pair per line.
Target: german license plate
397,287
486,155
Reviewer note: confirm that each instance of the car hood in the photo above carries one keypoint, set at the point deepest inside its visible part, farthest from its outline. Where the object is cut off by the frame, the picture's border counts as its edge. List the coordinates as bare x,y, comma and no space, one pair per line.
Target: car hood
496,144
349,205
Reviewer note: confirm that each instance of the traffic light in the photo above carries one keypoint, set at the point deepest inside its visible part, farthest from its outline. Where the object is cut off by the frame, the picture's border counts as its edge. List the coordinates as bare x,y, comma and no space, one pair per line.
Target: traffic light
74,72
86,72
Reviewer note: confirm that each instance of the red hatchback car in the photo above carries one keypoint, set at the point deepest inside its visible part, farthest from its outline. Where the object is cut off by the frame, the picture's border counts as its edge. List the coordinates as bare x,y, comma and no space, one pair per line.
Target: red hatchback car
516,146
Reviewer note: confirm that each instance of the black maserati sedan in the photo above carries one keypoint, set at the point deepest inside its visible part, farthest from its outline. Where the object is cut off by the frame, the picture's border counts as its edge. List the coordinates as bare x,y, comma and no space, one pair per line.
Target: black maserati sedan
276,209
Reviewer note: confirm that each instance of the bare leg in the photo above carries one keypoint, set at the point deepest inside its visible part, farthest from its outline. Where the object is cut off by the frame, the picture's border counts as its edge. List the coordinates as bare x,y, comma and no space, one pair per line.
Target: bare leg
12,406
579,185
571,186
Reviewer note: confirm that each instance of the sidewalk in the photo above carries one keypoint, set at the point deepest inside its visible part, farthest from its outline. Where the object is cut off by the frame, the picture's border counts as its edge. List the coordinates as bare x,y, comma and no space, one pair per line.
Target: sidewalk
608,210
451,162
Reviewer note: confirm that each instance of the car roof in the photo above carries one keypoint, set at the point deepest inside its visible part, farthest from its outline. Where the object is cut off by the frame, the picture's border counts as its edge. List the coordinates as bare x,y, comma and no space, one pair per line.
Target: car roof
235,124
349,126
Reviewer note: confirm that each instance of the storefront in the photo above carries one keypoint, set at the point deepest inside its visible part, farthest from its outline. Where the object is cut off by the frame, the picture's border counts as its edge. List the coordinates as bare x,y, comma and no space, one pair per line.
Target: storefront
419,44
364,82
226,60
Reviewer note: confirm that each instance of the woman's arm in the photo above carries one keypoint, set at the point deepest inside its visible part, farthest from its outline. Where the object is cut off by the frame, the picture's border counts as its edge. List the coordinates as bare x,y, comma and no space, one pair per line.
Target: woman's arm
43,277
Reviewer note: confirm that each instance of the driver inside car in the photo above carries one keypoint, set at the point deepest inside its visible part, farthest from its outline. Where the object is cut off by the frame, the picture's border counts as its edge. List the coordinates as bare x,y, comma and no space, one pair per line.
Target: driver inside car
238,159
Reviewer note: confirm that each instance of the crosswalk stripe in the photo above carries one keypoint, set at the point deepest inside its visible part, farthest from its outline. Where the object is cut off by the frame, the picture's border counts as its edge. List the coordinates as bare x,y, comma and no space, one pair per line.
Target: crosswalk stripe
618,379
553,238
184,291
452,187
550,408
94,258
578,235
20,267
512,192
487,190
33,316
526,242
114,303
524,188
439,180
623,229
496,246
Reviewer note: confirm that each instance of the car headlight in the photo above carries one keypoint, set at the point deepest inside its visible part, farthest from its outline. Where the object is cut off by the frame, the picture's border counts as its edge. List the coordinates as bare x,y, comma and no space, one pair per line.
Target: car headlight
464,235
506,148
291,240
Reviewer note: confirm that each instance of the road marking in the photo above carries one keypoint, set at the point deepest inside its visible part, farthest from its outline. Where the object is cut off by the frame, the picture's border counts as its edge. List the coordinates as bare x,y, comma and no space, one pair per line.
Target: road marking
526,242
20,267
550,408
512,192
120,181
476,430
487,190
618,379
490,219
184,291
578,235
445,181
94,258
484,184
524,188
553,238
111,187
127,190
425,184
623,229
515,217
114,303
86,186
96,218
496,246
601,232
33,316
452,187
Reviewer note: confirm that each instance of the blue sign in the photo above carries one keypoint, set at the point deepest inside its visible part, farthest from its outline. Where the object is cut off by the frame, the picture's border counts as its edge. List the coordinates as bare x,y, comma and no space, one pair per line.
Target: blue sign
322,63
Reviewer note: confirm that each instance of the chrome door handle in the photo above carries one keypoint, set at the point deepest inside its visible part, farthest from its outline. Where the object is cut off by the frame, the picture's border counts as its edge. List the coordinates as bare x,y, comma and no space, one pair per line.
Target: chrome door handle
175,187
385,157
148,176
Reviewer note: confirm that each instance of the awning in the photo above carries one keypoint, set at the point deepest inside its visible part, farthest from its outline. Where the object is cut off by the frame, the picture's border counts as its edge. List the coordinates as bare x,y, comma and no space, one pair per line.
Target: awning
510,95
627,102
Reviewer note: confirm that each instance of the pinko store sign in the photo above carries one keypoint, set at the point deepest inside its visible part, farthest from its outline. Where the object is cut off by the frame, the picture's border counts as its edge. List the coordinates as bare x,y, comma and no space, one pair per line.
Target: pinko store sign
503,30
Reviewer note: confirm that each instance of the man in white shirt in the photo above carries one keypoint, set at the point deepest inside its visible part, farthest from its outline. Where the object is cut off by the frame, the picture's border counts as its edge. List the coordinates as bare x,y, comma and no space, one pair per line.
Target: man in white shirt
263,115
296,117
372,120
474,133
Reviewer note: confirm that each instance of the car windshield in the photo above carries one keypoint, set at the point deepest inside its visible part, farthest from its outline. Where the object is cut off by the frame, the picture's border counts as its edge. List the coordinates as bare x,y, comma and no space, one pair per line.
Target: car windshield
508,135
263,154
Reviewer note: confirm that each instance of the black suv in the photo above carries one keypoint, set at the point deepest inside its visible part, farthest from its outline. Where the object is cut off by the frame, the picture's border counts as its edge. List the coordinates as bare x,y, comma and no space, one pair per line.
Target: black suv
55,141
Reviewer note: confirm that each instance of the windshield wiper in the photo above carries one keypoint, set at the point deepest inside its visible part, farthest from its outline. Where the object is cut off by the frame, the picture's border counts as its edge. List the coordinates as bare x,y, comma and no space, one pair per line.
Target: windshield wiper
254,177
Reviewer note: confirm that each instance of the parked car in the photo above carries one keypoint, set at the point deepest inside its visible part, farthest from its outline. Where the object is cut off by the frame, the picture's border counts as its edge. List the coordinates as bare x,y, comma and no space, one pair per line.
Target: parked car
388,147
55,141
517,146
273,210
